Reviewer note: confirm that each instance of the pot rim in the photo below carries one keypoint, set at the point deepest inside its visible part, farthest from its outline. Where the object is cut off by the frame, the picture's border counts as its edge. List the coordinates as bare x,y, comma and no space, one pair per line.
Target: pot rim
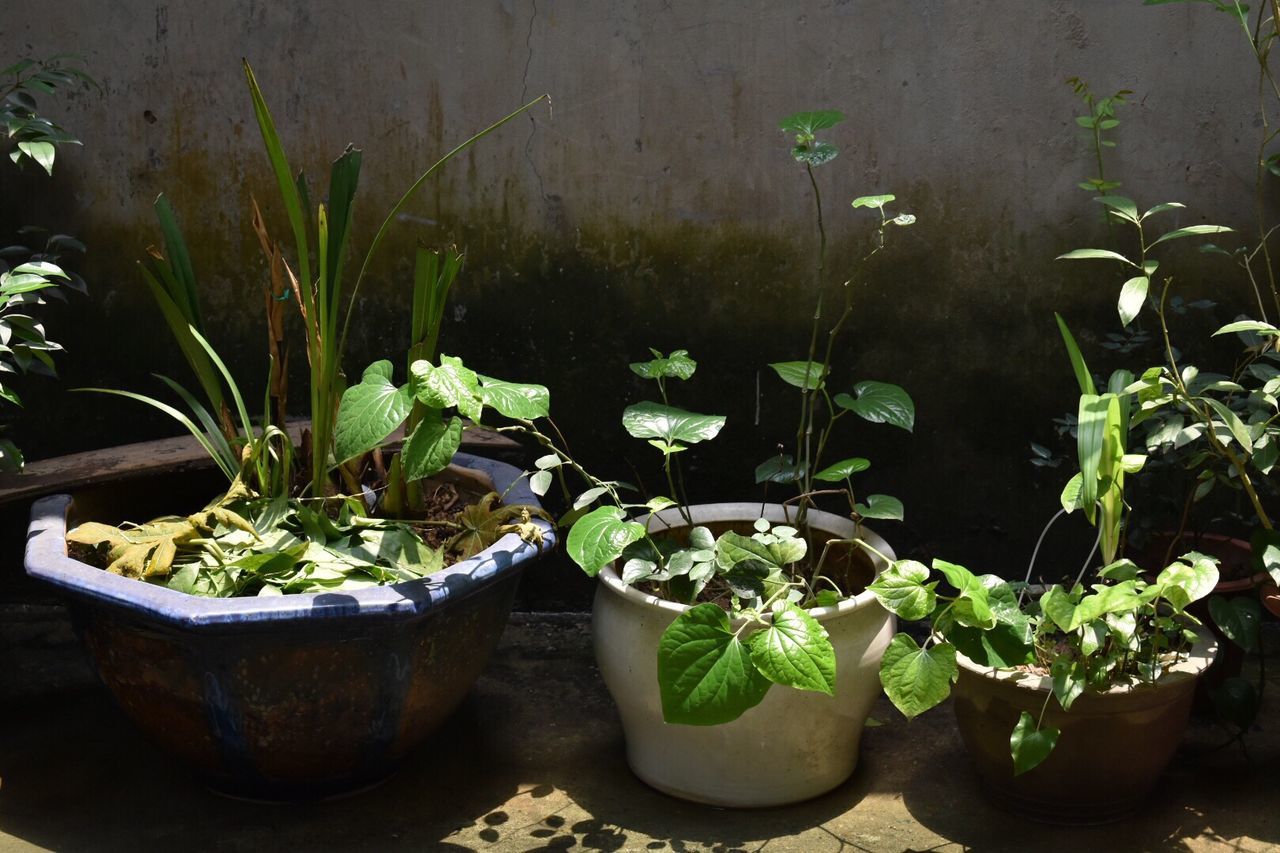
46,559
1202,653
747,511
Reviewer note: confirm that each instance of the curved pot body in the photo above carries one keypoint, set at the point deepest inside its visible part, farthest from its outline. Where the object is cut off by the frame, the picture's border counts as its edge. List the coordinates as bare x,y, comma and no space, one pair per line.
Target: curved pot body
295,696
1112,749
793,745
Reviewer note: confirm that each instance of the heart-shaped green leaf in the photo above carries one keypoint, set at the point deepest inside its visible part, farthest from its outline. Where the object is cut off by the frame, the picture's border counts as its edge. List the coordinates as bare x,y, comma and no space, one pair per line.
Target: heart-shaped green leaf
842,470
1068,681
431,447
880,403
801,374
880,506
600,536
810,122
903,589
1192,577
678,365
705,674
515,400
451,384
973,607
654,420
1030,746
369,412
795,651
917,679
779,469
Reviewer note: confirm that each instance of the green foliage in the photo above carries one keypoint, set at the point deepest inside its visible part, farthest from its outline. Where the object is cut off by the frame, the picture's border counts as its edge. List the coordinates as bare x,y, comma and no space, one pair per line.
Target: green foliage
349,425
1098,120
30,275
1121,630
244,545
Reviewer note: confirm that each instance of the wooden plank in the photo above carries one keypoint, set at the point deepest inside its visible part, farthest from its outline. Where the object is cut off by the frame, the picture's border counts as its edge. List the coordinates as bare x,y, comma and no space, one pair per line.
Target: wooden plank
174,455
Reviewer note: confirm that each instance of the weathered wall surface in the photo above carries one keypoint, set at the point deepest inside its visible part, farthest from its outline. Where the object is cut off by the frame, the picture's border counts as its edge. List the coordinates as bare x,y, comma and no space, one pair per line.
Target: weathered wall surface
656,205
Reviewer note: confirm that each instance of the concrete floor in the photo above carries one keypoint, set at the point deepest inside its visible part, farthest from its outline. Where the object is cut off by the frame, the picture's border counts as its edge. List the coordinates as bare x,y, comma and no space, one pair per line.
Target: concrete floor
534,760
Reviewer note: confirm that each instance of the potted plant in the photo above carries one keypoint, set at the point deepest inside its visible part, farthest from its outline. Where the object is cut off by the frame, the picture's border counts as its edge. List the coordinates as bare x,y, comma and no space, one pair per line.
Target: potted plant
1071,701
308,627
702,609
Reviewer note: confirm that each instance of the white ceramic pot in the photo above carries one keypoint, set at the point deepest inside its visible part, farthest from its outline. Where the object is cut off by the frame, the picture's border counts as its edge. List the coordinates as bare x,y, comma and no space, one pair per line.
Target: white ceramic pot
795,744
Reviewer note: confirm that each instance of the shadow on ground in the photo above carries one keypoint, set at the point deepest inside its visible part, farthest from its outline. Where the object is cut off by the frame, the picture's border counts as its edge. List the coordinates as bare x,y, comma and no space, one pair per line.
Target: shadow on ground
534,760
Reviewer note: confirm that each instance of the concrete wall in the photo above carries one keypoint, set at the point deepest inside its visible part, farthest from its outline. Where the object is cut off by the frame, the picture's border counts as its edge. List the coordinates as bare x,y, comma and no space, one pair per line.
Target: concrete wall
656,205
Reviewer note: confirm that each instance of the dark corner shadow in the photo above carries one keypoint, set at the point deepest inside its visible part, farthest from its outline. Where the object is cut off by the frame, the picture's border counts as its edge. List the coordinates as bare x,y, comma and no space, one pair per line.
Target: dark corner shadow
80,749
1206,797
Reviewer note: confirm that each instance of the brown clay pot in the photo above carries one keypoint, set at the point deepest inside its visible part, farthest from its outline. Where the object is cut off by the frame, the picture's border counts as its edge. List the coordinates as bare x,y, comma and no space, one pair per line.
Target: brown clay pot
1112,749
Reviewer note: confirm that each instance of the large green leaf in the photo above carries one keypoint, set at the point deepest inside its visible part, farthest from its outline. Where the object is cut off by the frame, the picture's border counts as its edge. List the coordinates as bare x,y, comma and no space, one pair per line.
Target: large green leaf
795,651
1068,681
1095,255
1190,231
880,403
1133,295
917,679
1192,577
451,384
1248,326
1083,377
678,365
903,589
734,548
779,469
431,447
1058,606
801,374
1237,618
842,470
1121,205
810,122
600,537
973,606
880,506
654,420
1123,597
877,201
1237,427
515,400
1029,745
1091,433
705,674
369,412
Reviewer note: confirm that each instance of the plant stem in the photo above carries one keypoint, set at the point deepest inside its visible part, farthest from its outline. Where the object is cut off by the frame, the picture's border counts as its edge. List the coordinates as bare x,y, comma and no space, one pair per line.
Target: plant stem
807,396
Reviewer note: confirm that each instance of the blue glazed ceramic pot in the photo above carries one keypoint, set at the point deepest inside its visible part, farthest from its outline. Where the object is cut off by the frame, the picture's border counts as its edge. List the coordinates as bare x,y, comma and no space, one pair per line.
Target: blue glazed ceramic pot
291,697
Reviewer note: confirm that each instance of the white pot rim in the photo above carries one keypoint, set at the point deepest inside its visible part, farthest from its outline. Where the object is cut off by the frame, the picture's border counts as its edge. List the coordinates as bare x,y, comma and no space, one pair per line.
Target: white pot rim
1197,660
749,511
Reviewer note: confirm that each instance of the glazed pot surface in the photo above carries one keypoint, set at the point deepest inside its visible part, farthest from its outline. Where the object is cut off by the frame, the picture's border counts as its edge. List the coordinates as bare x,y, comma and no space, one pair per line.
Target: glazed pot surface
293,697
1112,749
794,745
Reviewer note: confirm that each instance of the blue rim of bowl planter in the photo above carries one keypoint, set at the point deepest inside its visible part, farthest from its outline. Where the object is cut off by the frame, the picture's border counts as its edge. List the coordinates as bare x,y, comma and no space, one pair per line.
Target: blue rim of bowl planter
46,559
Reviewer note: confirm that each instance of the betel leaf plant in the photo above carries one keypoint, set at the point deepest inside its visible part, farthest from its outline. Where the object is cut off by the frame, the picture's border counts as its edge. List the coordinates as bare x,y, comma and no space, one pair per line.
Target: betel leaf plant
1123,628
332,512
32,269
747,590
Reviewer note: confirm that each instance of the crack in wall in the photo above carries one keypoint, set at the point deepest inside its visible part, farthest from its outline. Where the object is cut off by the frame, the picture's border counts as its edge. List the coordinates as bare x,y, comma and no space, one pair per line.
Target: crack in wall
524,96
